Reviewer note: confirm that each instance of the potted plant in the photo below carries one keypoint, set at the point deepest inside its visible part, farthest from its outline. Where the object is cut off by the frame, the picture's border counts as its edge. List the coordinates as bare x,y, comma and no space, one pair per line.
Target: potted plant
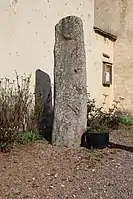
99,124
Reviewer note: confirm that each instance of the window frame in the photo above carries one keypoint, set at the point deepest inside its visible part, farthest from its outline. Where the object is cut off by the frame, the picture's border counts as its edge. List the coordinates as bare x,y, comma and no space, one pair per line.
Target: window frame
105,65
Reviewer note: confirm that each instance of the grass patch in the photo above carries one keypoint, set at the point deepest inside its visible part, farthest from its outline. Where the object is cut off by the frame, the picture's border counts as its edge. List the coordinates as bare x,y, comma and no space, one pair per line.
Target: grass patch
28,136
126,123
126,120
21,138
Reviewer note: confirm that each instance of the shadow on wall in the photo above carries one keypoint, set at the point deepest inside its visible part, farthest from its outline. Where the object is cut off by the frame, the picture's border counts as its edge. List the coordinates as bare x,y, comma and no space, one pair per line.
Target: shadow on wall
43,97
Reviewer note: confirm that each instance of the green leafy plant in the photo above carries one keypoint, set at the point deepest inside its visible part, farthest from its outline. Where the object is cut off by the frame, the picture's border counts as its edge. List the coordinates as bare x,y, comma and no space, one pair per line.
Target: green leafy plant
28,136
100,120
126,120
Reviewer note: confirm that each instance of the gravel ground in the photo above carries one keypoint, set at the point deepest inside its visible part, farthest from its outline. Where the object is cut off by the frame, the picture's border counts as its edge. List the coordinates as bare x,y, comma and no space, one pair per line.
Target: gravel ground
41,171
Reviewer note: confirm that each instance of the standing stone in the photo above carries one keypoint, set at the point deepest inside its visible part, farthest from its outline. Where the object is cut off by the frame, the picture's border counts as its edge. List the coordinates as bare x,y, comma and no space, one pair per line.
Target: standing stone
70,105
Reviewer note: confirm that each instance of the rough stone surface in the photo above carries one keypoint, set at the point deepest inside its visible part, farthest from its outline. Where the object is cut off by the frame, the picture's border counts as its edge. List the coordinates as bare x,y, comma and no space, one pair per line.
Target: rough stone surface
70,104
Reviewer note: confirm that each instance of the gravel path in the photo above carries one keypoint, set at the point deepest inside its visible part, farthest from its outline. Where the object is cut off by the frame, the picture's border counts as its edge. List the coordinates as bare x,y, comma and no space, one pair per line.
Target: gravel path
41,171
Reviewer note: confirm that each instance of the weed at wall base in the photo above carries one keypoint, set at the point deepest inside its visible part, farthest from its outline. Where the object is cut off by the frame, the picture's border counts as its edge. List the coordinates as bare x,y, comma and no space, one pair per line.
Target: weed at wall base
28,136
17,110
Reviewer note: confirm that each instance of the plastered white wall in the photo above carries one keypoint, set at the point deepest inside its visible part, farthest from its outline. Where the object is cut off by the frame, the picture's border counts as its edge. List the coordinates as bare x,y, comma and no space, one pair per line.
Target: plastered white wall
116,16
96,88
28,31
27,39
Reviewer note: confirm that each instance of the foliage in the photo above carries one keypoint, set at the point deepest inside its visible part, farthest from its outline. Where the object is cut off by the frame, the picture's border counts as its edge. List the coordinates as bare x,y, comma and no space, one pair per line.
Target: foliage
28,136
100,120
126,120
17,109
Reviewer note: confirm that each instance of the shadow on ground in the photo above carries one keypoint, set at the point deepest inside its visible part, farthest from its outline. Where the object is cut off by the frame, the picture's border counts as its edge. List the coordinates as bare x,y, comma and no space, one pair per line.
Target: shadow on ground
119,146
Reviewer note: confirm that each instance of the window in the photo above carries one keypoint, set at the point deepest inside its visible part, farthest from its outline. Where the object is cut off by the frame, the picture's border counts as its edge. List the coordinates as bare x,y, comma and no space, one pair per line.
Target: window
107,74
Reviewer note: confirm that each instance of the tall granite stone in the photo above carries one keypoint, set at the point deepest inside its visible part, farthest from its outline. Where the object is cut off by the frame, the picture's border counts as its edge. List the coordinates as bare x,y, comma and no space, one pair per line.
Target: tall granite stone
70,100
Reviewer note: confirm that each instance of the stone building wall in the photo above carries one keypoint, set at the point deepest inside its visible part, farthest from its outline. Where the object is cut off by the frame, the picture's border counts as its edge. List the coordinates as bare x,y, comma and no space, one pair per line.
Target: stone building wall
117,18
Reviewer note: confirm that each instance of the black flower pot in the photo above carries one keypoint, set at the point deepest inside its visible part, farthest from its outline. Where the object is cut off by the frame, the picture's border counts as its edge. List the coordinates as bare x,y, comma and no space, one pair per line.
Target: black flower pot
95,140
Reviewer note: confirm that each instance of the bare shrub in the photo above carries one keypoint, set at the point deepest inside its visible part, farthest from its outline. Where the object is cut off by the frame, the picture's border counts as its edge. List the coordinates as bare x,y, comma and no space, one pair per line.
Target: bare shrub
17,112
